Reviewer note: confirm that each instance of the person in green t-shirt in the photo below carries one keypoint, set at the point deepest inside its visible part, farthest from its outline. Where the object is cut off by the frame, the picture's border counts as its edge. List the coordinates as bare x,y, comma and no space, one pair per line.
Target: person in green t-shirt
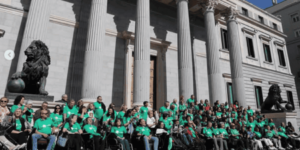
144,111
92,130
18,103
190,100
70,110
164,108
74,132
182,106
236,137
43,128
122,112
29,113
83,114
210,137
57,117
251,123
268,137
143,130
173,112
109,118
167,122
166,139
119,131
99,108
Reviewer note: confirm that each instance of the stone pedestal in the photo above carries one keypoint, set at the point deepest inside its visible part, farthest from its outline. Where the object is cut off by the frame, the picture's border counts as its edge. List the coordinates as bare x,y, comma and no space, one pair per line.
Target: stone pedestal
34,97
284,117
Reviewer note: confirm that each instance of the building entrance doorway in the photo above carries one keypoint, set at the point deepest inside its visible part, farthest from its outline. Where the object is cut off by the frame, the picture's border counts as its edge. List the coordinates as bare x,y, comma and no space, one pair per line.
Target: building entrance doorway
152,96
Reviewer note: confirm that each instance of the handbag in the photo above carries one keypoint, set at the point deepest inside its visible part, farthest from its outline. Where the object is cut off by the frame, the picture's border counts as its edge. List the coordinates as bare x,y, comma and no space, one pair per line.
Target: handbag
62,141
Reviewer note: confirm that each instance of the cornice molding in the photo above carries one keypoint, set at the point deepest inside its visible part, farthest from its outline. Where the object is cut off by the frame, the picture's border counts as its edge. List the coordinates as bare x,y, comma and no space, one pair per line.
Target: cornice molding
267,38
252,32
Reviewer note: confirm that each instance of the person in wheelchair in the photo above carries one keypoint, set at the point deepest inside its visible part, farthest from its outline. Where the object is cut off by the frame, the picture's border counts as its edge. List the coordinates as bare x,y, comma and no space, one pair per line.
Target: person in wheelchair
119,131
144,132
92,130
163,135
18,132
210,138
74,133
43,129
235,137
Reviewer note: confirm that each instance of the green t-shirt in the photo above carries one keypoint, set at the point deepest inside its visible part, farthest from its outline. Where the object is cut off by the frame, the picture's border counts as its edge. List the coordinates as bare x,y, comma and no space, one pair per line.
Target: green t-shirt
272,124
252,125
226,106
18,125
250,112
106,118
56,119
121,115
28,117
216,131
208,132
143,130
235,132
283,129
69,111
43,126
258,134
91,129
75,128
192,131
182,108
14,107
125,120
282,134
163,109
167,124
269,134
143,113
219,114
119,131
191,115
98,110
260,124
189,101
224,132
86,115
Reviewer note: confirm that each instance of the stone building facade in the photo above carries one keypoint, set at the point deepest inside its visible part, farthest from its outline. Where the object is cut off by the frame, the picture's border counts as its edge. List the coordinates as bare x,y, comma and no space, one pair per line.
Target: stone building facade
129,51
289,13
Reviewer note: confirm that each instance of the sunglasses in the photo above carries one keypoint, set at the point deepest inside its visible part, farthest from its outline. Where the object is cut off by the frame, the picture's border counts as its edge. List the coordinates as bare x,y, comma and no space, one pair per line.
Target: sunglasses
3,101
44,113
58,108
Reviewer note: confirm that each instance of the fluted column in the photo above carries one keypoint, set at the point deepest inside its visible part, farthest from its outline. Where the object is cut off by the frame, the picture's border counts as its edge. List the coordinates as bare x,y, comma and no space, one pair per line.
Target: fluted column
141,88
215,78
185,66
92,69
236,63
35,28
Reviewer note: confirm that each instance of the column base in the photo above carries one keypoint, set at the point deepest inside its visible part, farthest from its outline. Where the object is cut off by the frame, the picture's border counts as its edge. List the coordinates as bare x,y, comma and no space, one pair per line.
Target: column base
138,104
86,101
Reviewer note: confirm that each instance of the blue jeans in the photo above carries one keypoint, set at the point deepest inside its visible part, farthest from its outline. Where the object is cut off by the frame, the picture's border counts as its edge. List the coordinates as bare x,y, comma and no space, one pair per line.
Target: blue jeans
35,138
130,128
146,141
124,143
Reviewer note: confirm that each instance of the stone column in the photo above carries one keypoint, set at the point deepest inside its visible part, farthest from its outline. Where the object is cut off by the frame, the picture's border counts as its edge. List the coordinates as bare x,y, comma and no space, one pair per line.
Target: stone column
215,78
35,28
185,66
235,54
127,69
141,88
92,70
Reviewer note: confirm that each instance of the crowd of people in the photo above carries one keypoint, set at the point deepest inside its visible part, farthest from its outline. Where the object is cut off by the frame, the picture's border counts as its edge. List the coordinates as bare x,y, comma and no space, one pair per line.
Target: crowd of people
189,124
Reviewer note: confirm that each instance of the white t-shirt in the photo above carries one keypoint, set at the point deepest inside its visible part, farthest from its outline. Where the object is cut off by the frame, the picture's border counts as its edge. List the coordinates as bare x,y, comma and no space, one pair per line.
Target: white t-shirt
151,121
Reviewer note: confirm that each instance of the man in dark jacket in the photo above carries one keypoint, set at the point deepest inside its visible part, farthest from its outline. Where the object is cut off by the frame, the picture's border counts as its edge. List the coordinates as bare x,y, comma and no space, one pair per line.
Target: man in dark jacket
37,113
64,100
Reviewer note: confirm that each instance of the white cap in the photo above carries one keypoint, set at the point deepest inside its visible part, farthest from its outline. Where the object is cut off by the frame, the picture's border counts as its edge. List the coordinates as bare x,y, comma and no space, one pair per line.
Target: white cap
29,102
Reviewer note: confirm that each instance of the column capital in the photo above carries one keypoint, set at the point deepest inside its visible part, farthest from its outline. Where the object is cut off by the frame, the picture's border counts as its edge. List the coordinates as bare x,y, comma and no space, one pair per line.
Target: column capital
230,14
208,5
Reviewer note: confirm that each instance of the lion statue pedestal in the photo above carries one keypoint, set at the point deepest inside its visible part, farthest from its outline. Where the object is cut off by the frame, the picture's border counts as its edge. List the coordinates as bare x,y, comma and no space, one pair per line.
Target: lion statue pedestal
32,79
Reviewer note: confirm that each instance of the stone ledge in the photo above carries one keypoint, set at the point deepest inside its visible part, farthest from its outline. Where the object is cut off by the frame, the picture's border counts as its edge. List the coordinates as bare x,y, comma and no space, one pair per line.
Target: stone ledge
34,97
281,115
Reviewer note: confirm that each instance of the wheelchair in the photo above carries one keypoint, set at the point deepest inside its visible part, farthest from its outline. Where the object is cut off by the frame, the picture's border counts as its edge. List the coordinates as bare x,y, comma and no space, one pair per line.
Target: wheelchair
114,144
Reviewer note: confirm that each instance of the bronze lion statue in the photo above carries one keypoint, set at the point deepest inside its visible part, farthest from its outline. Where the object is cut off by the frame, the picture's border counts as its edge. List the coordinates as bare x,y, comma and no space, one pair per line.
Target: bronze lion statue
273,99
35,69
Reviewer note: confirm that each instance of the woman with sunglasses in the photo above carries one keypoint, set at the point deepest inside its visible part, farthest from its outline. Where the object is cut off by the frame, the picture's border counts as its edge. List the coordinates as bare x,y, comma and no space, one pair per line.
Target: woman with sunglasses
57,117
4,111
